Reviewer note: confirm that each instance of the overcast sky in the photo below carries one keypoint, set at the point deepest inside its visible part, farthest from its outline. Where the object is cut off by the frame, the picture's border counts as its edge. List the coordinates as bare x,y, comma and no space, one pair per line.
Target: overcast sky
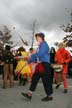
48,16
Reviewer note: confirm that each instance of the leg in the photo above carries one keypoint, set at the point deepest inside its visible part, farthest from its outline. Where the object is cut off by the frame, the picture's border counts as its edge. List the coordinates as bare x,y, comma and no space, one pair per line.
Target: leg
47,82
52,74
5,75
20,79
11,75
35,79
65,79
34,82
57,79
24,78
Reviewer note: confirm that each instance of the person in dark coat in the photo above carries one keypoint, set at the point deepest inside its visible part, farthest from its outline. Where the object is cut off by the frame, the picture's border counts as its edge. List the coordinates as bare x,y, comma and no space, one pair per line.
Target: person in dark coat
8,60
1,62
52,55
52,61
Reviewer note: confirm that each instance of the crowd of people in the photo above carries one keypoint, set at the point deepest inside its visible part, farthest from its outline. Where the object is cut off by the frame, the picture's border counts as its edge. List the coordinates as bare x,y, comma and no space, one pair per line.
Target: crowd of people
48,64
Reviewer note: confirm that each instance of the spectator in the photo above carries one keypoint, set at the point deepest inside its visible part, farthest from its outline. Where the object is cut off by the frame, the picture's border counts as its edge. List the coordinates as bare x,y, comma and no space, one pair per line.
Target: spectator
52,61
52,55
8,66
23,73
63,57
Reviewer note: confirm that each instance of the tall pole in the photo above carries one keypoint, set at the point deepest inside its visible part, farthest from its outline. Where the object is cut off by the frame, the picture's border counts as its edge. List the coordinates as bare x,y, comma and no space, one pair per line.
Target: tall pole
34,27
33,39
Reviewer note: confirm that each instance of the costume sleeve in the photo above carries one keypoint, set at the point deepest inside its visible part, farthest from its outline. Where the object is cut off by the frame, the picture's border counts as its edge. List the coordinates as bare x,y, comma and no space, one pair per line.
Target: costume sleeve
67,57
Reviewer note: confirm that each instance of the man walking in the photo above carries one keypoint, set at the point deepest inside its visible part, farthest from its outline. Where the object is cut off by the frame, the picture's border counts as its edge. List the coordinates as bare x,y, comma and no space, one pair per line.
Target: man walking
42,70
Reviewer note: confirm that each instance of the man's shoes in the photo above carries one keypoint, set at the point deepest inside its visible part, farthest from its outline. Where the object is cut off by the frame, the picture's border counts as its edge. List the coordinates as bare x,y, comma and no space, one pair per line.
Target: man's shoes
65,91
26,95
47,98
57,86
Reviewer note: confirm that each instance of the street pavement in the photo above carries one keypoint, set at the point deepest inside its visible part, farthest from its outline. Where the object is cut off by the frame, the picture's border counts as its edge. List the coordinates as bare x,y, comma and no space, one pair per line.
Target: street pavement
12,98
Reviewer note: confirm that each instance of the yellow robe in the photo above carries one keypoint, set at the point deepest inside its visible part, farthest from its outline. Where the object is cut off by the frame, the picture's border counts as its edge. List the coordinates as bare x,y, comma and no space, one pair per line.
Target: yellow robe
21,62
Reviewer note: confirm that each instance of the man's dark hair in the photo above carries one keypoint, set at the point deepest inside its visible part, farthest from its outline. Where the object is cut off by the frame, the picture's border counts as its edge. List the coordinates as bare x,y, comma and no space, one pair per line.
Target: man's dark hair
31,49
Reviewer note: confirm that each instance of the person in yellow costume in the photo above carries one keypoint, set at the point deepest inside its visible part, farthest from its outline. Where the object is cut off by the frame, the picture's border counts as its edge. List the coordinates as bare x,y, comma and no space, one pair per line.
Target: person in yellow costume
22,71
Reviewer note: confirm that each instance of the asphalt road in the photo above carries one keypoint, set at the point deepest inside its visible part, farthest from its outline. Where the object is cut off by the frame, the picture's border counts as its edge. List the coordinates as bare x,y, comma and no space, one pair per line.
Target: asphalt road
12,98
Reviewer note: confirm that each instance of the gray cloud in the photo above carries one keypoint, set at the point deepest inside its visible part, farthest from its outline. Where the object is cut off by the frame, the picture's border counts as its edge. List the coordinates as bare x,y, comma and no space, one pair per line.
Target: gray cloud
49,14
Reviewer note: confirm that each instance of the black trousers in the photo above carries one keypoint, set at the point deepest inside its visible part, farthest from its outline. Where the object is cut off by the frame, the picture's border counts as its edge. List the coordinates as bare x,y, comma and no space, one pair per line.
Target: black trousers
46,79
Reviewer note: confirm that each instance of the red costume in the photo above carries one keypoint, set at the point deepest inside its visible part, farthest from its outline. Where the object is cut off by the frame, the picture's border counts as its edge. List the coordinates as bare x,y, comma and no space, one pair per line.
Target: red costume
63,57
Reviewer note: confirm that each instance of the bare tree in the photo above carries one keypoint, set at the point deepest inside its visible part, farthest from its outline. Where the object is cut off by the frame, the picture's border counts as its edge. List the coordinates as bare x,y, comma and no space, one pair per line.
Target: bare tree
5,36
68,30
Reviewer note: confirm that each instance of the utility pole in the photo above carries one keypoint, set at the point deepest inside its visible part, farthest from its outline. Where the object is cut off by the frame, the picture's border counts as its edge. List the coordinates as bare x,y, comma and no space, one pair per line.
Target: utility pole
34,27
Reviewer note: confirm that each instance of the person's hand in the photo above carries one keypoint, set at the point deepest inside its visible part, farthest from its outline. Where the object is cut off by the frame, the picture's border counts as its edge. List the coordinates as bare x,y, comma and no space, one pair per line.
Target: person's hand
16,57
26,58
64,63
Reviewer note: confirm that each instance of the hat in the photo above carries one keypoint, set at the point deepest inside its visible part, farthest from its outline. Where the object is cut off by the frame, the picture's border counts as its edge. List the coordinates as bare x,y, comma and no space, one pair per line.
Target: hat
40,34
